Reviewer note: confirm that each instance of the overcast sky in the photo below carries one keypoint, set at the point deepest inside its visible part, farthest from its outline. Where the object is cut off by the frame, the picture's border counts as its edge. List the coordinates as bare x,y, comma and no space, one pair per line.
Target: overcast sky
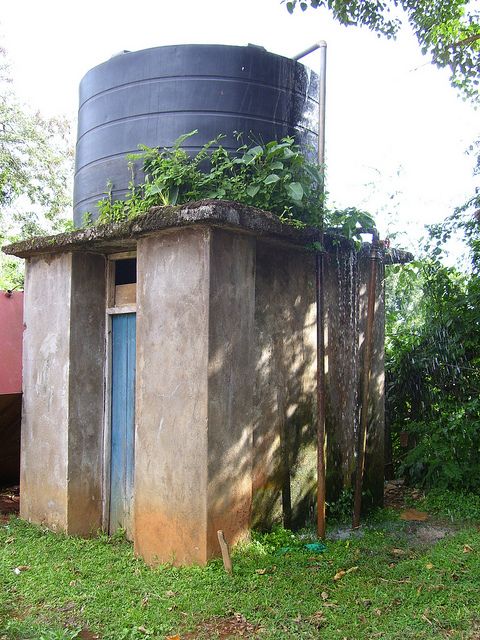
395,127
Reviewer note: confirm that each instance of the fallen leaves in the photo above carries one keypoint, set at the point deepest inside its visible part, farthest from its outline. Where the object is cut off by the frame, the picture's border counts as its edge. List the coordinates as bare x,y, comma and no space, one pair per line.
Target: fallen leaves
267,570
18,570
339,575
317,619
467,548
414,515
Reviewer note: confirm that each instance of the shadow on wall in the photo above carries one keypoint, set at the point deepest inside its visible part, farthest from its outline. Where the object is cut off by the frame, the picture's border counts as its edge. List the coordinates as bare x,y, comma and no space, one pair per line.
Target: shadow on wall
284,424
284,449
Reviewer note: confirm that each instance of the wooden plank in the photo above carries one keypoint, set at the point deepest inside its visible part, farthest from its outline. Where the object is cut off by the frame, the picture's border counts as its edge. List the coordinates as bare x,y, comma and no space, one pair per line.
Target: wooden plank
126,308
110,284
125,294
123,255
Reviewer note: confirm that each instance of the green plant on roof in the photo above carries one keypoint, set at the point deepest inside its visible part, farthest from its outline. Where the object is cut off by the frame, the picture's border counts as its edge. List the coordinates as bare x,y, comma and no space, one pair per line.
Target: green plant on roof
275,177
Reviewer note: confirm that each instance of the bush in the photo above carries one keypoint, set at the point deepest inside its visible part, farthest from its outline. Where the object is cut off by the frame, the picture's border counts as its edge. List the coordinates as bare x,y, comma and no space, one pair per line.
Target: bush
446,454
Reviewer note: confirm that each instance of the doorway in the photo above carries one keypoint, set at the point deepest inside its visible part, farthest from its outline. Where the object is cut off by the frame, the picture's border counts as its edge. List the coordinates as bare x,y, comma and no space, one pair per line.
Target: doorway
121,407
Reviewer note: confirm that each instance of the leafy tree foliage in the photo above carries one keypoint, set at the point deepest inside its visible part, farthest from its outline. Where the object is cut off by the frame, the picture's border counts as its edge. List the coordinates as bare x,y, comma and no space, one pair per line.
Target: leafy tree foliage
433,358
447,30
35,169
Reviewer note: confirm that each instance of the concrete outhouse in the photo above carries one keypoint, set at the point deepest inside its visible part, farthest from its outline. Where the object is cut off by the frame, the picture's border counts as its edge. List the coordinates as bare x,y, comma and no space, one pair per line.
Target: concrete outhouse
169,377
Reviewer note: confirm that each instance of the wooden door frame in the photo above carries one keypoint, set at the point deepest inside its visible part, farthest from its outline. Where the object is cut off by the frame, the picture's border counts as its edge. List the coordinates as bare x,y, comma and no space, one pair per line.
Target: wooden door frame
110,311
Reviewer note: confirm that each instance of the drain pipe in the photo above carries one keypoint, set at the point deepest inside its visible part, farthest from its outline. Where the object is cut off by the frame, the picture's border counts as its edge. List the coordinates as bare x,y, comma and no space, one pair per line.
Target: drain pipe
367,366
319,269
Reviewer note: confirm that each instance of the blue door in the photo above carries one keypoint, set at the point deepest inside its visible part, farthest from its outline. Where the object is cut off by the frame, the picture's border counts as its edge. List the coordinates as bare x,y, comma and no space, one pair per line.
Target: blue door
122,422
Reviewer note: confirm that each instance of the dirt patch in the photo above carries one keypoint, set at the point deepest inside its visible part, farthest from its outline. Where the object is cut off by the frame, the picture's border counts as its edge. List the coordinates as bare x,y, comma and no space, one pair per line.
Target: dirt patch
422,529
9,502
398,496
235,626
85,634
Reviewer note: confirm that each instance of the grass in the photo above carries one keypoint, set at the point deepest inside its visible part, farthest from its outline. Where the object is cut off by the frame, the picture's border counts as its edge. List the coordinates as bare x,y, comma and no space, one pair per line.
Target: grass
393,590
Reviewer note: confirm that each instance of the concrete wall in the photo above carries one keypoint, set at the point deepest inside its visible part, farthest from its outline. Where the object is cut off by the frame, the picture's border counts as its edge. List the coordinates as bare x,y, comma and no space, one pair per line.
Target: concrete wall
374,464
193,449
346,284
170,507
46,370
62,424
230,387
284,457
86,393
342,368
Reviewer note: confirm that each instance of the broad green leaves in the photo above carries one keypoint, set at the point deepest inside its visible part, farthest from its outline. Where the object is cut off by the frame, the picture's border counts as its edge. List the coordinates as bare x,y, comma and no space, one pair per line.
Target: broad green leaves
275,177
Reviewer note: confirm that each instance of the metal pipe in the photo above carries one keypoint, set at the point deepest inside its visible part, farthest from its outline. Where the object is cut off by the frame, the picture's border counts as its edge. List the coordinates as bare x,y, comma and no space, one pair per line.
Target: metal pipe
319,279
367,362
321,431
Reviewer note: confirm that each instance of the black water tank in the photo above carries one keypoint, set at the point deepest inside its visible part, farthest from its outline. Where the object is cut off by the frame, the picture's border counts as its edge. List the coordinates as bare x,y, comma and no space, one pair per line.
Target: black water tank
153,96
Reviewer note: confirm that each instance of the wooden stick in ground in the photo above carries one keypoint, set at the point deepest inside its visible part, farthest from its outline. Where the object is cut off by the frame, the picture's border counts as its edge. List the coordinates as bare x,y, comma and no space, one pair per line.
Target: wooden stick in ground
227,561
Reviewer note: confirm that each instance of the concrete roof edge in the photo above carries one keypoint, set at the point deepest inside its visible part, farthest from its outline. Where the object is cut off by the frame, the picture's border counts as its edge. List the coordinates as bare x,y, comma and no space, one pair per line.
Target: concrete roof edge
217,213
116,236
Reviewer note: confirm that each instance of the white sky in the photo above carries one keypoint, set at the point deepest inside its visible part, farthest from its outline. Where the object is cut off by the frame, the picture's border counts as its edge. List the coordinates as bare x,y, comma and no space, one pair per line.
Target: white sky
394,124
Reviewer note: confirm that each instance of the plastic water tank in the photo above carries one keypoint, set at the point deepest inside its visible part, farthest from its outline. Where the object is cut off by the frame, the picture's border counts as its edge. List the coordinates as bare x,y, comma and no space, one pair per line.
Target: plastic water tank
154,96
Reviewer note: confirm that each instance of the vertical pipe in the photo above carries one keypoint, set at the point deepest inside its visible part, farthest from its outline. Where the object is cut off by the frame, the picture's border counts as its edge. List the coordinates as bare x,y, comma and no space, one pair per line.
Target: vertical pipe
362,436
321,434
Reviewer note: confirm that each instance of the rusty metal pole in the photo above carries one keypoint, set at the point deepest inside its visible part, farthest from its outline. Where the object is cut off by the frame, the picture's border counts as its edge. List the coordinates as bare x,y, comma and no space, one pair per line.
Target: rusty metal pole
367,366
319,278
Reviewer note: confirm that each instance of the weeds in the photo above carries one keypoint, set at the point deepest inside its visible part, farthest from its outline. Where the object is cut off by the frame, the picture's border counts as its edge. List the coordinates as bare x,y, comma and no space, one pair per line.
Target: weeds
275,177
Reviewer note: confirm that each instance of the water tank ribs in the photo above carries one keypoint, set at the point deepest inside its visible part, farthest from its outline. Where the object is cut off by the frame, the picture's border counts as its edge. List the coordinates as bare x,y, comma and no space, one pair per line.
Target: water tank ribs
154,96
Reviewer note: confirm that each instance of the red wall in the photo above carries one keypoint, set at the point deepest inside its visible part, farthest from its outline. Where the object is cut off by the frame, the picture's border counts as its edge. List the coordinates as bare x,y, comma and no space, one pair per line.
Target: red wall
11,336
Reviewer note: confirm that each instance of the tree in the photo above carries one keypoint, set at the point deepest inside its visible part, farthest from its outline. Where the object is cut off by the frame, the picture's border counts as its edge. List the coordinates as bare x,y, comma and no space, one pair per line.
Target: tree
35,171
447,30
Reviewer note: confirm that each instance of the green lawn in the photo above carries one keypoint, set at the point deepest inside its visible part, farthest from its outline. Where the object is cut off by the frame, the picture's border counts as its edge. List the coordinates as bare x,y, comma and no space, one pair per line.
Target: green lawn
396,588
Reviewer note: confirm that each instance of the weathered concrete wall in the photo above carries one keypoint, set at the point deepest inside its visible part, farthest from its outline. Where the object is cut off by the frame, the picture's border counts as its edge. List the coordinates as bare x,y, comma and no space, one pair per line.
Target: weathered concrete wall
193,450
170,507
46,363
341,367
346,284
374,462
63,367
284,459
86,393
230,387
